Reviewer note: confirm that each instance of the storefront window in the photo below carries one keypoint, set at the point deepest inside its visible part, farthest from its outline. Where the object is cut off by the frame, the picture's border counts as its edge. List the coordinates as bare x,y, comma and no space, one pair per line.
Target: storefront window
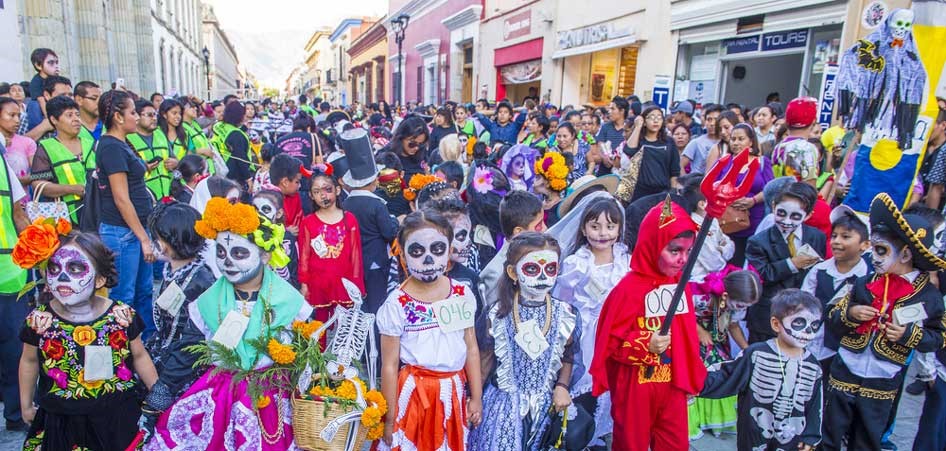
613,73
628,71
824,49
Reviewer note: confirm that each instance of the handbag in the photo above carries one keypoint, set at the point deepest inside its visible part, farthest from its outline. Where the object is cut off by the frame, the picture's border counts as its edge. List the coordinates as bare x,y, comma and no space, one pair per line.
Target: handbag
55,209
564,433
734,220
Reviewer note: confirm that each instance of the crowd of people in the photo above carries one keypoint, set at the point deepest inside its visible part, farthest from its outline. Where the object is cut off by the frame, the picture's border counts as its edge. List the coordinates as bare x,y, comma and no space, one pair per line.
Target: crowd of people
135,229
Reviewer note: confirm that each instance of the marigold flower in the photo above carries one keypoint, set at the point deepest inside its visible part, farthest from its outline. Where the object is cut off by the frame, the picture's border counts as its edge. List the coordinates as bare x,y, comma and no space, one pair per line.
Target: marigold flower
263,401
280,353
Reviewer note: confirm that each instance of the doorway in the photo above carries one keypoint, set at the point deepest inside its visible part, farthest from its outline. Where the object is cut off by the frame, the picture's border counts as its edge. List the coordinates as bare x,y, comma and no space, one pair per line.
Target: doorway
749,81
466,93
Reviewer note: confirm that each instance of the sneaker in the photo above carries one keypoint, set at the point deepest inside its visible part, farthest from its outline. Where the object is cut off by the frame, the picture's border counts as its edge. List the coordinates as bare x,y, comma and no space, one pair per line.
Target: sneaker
918,387
17,426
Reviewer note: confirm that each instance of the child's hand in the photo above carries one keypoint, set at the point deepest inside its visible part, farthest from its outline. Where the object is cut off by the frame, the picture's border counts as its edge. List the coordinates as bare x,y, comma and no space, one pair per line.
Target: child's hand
706,338
123,315
862,313
474,411
28,413
805,447
39,321
892,331
560,398
659,343
293,229
388,433
804,261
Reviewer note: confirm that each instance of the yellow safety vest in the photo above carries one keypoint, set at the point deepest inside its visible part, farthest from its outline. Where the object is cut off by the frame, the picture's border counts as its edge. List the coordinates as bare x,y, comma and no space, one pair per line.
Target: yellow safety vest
68,170
158,180
12,277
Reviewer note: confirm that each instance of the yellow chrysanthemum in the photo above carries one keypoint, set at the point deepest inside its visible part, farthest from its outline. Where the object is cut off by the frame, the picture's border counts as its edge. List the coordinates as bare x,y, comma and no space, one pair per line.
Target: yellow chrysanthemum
280,353
216,213
204,229
558,184
306,329
376,432
322,392
370,417
375,398
346,391
557,171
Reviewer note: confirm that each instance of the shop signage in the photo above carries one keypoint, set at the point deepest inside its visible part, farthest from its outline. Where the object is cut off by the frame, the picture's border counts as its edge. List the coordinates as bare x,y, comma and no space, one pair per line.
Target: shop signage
741,45
661,94
826,102
590,35
784,40
518,25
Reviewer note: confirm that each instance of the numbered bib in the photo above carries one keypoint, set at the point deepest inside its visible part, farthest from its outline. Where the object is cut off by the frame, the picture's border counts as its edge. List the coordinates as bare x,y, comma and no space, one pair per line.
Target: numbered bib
657,302
231,329
909,314
456,313
98,363
171,299
530,339
319,246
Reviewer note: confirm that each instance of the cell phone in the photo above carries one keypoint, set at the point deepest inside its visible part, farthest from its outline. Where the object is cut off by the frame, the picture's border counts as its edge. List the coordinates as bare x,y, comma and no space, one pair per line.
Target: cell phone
156,159
119,82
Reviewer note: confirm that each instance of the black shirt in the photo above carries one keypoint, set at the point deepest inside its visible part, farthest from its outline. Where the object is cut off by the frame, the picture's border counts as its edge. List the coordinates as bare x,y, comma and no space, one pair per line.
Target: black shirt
660,163
239,167
298,145
436,135
114,156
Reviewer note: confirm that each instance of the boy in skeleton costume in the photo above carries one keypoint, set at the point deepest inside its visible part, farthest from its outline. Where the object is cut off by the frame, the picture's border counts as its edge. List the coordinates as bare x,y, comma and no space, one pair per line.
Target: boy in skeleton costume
648,390
778,381
881,322
249,302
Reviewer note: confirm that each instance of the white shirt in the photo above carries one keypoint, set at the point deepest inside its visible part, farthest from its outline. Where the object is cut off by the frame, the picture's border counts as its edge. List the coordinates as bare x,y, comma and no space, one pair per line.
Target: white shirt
811,282
798,242
866,364
423,343
714,255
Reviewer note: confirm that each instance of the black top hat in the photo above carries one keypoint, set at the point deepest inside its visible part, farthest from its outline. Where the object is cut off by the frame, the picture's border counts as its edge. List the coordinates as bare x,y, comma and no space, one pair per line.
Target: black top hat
912,229
360,157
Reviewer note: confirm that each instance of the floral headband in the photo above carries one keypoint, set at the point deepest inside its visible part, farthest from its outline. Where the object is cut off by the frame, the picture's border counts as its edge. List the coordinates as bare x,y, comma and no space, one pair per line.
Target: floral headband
417,183
242,219
553,168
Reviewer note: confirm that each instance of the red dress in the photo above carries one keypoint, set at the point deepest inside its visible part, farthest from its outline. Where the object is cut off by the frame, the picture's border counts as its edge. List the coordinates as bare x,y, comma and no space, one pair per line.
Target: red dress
328,252
649,411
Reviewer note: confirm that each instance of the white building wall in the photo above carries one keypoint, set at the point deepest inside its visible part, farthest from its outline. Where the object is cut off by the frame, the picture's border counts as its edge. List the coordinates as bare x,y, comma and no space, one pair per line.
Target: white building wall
175,25
11,56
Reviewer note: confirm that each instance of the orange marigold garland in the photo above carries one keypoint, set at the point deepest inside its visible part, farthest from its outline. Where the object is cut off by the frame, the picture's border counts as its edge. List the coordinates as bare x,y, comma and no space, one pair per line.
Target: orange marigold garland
222,216
417,183
553,168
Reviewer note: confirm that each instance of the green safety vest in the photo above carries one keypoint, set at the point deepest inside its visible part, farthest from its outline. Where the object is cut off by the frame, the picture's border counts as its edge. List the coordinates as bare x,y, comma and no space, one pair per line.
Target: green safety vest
222,131
68,169
12,277
308,110
197,140
157,180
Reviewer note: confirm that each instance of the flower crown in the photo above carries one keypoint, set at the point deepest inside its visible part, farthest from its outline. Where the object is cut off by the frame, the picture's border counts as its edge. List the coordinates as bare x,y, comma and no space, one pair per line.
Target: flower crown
242,219
39,241
552,166
417,183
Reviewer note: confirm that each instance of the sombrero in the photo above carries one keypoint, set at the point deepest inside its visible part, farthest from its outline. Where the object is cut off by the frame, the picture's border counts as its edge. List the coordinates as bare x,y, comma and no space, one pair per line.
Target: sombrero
582,185
914,230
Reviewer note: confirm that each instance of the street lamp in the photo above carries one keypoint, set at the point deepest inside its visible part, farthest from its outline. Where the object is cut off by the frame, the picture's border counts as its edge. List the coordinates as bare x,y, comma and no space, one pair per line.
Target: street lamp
399,24
206,55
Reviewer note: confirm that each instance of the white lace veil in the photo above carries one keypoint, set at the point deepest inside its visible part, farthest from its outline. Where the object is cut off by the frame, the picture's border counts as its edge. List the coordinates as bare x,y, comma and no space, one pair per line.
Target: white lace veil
566,229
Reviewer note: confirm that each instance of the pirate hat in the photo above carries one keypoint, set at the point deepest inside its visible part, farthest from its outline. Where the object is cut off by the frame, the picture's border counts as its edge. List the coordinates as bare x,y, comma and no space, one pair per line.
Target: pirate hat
914,230
362,169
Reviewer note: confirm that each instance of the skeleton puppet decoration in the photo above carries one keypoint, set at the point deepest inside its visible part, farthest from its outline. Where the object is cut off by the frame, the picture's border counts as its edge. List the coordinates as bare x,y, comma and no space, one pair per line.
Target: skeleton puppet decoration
536,273
426,253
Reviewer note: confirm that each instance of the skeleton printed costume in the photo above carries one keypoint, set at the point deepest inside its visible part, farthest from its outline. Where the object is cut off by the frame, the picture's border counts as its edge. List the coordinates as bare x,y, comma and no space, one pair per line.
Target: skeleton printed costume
779,397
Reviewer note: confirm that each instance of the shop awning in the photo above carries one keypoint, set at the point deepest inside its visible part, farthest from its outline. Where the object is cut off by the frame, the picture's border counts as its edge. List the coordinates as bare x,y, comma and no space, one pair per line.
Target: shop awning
603,45
519,73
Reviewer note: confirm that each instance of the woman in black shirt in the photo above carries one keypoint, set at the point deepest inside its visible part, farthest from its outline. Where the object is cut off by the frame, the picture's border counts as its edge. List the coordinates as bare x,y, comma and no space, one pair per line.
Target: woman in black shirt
125,205
443,126
409,144
238,143
660,163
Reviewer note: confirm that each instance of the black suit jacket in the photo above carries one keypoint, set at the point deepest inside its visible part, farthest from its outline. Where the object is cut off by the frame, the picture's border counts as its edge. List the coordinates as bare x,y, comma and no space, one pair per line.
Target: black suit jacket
768,253
378,229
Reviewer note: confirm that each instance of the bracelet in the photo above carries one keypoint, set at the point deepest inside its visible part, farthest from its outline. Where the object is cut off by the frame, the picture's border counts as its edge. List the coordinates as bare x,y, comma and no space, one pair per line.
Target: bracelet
562,384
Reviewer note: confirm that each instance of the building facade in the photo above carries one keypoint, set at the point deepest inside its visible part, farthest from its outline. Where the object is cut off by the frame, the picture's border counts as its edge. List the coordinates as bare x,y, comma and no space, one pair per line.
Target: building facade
516,41
438,51
11,55
368,72
317,63
338,80
176,32
222,74
96,41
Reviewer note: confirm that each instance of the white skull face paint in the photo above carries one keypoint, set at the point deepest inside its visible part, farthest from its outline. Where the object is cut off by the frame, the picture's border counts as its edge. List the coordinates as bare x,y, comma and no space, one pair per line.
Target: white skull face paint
884,255
462,239
266,208
70,276
800,328
938,236
789,216
238,259
160,250
536,273
901,21
426,253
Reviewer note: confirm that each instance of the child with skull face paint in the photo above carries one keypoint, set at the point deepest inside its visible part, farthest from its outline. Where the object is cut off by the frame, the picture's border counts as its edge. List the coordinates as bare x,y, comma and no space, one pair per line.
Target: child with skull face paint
269,203
429,389
534,347
778,381
249,303
886,317
331,250
461,247
649,391
85,350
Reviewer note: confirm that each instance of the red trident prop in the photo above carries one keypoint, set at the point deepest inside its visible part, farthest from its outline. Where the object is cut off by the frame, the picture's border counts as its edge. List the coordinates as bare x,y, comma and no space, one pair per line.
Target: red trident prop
720,194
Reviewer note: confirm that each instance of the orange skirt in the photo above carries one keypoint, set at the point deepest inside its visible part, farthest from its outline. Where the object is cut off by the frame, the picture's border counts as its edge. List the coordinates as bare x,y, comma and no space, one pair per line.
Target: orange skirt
431,410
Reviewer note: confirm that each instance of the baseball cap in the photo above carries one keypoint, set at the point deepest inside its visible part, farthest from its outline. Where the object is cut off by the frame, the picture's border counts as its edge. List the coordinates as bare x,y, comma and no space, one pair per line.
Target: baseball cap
801,112
684,106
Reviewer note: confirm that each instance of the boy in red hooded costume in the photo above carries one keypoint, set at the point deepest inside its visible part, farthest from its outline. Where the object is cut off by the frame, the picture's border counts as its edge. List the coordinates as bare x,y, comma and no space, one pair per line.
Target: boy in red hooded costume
649,408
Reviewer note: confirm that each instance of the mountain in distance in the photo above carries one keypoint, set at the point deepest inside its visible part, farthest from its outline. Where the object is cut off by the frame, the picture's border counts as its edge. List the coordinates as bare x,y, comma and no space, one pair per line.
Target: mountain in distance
270,55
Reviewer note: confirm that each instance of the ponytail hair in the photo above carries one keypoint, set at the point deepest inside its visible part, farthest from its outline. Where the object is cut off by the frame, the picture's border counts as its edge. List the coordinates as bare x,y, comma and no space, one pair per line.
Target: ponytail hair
110,103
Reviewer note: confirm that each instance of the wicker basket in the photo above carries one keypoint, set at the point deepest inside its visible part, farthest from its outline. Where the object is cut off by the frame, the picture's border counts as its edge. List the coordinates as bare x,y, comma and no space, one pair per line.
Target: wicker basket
310,417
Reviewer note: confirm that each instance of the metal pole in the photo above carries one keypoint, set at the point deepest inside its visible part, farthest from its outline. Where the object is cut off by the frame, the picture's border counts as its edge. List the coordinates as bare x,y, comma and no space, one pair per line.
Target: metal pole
400,67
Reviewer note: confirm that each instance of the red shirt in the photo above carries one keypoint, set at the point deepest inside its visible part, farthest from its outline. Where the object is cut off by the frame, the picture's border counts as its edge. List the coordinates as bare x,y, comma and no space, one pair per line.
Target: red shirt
292,206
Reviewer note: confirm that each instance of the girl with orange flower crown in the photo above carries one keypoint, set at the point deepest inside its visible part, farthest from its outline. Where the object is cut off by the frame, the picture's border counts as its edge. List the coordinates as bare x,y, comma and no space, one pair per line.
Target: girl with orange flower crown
83,349
552,180
248,306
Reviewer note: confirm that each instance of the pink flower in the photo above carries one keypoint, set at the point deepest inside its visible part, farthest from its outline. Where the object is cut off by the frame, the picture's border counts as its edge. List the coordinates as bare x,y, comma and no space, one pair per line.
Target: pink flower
483,180
59,376
123,372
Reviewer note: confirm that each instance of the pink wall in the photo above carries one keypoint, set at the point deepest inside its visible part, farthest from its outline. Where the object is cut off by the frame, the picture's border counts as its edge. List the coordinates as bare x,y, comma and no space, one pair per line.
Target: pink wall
419,30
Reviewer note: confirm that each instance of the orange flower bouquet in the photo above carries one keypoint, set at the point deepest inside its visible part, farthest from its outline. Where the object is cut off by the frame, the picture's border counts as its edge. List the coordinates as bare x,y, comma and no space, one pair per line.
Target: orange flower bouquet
36,244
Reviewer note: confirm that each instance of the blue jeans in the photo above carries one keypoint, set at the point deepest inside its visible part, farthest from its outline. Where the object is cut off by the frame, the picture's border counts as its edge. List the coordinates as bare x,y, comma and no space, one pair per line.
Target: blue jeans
12,319
135,276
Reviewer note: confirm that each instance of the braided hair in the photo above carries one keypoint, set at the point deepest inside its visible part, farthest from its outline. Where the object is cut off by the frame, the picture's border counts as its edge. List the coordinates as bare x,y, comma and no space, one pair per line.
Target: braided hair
110,103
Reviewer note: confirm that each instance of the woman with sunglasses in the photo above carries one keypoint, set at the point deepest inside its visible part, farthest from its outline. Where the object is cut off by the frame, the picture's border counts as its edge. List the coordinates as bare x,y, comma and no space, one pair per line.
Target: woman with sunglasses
409,143
659,165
